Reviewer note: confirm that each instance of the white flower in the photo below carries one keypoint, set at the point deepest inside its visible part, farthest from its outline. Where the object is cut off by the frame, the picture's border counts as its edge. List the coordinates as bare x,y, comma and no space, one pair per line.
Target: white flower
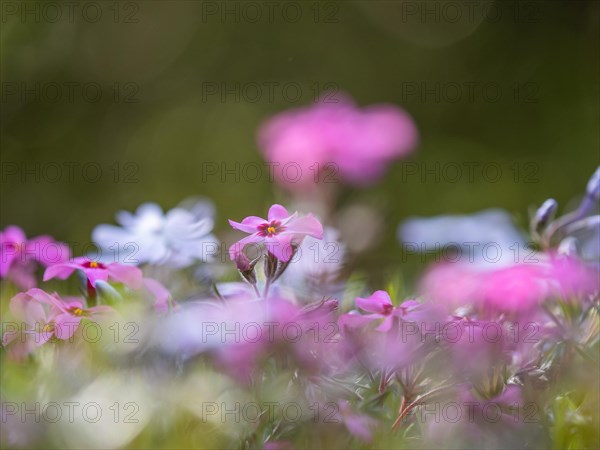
488,236
177,239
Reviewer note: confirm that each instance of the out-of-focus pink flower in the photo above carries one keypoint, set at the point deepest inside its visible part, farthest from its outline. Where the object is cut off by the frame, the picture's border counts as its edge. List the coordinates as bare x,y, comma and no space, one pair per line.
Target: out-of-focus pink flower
571,278
93,270
517,288
18,255
279,232
359,143
69,313
379,304
38,319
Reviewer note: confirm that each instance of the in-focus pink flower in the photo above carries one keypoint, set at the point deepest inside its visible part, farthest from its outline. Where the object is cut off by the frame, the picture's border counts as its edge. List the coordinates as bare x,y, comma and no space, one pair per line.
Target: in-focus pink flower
18,255
357,143
278,233
94,271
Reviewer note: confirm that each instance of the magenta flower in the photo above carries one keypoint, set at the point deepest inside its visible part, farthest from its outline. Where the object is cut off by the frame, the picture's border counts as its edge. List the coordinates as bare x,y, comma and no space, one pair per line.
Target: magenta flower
69,312
571,278
358,144
94,271
380,306
18,255
278,233
38,320
517,288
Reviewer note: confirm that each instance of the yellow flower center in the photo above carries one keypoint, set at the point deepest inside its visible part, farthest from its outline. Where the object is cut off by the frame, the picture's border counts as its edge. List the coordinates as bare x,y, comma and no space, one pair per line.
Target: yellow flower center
48,328
93,265
271,230
77,311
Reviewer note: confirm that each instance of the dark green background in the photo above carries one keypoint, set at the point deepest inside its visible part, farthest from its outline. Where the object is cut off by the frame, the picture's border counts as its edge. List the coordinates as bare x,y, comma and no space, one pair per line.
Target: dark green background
550,49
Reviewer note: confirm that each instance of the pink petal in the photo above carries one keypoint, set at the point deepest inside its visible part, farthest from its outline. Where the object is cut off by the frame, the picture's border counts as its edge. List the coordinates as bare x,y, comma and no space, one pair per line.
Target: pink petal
277,212
95,274
14,234
24,307
41,337
128,275
249,224
7,256
376,303
47,251
386,325
160,293
44,297
62,271
280,246
307,225
238,247
66,325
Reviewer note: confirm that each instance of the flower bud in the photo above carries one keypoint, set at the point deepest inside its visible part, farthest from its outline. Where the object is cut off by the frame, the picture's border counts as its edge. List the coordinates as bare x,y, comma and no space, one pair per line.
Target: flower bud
544,215
593,186
246,268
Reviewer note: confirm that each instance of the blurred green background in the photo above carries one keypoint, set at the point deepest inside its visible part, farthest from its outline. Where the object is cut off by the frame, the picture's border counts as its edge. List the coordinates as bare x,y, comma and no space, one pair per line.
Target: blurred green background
533,67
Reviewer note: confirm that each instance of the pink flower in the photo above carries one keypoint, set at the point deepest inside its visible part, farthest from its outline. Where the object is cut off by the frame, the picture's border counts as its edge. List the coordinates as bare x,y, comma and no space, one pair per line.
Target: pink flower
94,271
357,143
279,232
69,313
38,319
516,288
18,255
572,278
380,306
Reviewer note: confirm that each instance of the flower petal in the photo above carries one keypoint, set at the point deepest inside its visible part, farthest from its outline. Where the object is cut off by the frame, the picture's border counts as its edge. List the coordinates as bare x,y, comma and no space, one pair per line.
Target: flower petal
62,271
128,275
376,303
280,246
65,326
248,225
277,212
307,225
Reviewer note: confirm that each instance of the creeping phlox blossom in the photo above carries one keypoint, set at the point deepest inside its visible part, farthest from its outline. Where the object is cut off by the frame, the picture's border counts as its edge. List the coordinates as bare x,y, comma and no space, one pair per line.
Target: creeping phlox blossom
176,239
46,316
280,232
358,144
19,255
95,271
